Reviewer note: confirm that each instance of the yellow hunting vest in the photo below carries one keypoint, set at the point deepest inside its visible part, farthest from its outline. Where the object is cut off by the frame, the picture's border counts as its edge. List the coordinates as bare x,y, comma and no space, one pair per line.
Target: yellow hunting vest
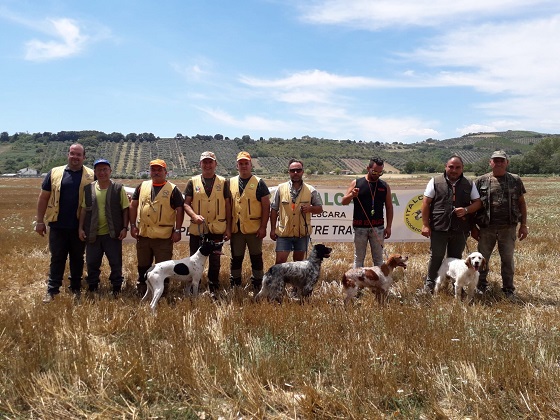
212,208
245,207
51,213
156,219
291,221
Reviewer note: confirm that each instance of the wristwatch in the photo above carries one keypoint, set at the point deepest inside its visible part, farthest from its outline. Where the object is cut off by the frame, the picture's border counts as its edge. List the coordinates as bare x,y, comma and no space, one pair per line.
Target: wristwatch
177,230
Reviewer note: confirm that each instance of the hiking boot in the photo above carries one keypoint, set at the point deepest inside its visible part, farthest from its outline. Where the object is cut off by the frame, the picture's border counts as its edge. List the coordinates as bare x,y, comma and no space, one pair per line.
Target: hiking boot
429,288
116,290
48,298
235,281
257,285
511,296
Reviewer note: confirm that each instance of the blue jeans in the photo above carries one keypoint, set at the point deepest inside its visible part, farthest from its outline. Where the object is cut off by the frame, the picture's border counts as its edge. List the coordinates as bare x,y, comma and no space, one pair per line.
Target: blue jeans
292,243
506,237
375,237
450,243
65,244
112,248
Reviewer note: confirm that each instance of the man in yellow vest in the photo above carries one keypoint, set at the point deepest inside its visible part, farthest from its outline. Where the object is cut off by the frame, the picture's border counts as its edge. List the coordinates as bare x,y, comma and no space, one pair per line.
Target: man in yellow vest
250,201
208,204
290,214
59,207
156,220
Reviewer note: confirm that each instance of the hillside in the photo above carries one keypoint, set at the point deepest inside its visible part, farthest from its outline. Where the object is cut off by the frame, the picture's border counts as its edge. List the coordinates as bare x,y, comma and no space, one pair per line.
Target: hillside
130,155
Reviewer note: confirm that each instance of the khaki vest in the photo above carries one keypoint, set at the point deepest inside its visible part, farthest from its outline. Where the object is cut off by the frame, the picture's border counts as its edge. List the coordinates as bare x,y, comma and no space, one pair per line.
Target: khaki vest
245,207
484,186
212,208
156,218
291,221
51,213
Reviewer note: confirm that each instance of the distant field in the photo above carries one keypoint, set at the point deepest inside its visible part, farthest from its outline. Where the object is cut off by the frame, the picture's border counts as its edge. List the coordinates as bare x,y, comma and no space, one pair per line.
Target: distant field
418,357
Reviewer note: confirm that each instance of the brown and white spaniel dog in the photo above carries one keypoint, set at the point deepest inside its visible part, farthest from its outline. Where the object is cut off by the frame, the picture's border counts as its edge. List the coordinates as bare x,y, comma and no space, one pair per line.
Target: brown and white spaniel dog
378,279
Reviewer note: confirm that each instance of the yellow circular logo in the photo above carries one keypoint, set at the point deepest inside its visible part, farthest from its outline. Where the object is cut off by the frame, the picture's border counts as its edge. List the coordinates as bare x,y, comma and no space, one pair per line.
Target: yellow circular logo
413,214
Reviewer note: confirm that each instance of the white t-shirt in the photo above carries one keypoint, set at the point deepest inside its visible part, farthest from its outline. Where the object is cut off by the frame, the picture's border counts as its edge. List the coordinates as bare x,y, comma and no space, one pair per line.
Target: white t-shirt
430,191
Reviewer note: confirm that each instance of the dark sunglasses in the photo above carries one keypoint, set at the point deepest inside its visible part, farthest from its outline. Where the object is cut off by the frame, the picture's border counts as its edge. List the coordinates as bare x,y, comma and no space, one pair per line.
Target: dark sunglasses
296,170
377,173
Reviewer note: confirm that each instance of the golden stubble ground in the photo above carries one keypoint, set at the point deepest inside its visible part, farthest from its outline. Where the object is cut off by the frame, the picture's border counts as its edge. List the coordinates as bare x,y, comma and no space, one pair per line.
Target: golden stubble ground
418,357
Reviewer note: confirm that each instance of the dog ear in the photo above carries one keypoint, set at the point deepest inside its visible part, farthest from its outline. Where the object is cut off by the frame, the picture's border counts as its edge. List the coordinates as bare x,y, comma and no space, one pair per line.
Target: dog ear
468,261
483,264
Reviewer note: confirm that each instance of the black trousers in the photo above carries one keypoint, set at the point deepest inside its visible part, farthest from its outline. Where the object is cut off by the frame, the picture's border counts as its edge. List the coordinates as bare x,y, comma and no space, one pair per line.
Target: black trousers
65,244
213,259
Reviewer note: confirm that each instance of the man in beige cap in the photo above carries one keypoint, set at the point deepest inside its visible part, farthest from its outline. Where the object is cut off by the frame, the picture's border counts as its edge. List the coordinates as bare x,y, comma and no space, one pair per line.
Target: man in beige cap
208,204
156,220
250,199
503,208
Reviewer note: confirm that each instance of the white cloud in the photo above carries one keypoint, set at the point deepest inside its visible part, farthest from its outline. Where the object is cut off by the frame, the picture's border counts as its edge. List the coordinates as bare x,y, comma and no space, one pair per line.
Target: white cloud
516,57
490,127
329,121
68,41
196,70
249,123
378,14
315,78
515,63
312,86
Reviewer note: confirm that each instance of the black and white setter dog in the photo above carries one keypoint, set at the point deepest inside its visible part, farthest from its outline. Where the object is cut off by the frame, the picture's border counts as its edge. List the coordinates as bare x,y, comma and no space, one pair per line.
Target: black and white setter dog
188,270
302,275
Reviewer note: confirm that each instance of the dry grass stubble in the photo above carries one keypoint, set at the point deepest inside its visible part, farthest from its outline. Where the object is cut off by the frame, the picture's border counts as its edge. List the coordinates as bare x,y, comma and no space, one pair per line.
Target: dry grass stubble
418,357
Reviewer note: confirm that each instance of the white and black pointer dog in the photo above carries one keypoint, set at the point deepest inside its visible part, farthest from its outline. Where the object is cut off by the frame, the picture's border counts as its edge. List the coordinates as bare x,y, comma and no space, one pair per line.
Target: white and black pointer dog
188,270
464,273
378,279
302,275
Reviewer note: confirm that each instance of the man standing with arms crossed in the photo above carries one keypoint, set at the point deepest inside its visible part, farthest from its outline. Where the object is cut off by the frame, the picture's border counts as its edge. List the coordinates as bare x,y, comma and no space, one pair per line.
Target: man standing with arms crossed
59,207
156,220
250,212
208,204
290,214
371,196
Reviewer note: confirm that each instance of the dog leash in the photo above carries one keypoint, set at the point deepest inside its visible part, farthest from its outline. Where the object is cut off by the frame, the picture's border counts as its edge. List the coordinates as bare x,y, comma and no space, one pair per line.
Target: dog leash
307,234
204,229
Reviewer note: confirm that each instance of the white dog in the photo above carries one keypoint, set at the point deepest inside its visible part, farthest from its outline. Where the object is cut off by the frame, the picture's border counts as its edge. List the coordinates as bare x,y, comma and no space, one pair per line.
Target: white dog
464,273
187,269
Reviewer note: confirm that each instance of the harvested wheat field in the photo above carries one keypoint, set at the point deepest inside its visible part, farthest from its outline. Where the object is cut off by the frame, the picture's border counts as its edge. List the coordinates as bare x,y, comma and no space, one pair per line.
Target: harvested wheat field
418,357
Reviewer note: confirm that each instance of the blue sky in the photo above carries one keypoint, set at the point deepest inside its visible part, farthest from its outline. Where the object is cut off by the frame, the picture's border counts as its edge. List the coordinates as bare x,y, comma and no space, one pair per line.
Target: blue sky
343,69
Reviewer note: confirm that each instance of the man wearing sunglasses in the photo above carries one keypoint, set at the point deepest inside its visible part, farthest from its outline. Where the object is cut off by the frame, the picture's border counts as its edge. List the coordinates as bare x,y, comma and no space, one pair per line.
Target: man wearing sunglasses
372,198
290,214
